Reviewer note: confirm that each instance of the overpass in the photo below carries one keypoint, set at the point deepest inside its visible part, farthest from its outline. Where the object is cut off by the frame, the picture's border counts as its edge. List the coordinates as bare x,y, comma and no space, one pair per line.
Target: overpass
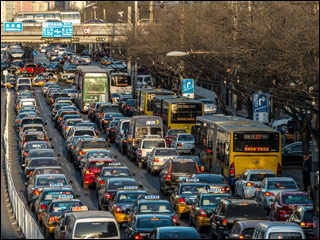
99,33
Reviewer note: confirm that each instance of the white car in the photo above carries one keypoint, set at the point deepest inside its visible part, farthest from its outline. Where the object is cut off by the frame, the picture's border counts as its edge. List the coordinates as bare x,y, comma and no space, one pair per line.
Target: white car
86,59
270,187
246,185
158,157
183,143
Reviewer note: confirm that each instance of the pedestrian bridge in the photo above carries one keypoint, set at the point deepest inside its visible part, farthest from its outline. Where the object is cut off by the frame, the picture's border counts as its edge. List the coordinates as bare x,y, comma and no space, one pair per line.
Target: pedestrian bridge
97,33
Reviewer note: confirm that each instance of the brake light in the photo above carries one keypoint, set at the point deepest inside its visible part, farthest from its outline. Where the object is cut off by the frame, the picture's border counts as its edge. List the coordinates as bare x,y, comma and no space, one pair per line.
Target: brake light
18,121
231,170
156,160
101,115
175,219
60,119
225,189
101,182
181,200
249,184
268,194
224,222
302,224
43,206
179,145
25,153
67,128
53,219
137,236
105,121
241,237
128,107
124,141
168,177
36,192
82,152
96,132
108,196
140,152
52,100
118,209
283,211
209,151
278,170
72,147
202,169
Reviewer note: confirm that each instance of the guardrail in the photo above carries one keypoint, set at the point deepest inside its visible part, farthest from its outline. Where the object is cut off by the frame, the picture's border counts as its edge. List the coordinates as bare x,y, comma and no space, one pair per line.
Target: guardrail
23,217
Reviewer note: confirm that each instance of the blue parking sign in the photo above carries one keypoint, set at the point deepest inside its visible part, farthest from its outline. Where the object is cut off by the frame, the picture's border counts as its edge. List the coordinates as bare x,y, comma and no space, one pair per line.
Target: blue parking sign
260,105
12,27
188,88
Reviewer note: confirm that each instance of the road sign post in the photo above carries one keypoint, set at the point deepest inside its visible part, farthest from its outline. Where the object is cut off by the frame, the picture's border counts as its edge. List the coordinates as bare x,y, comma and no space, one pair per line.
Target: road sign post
187,88
260,106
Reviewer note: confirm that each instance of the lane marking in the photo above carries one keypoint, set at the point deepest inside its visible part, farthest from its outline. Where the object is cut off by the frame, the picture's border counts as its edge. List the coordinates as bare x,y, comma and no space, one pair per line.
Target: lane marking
39,99
78,187
68,167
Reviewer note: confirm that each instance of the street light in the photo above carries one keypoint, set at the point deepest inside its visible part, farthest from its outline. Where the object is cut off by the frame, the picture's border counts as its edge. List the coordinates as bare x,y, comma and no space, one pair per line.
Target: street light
180,53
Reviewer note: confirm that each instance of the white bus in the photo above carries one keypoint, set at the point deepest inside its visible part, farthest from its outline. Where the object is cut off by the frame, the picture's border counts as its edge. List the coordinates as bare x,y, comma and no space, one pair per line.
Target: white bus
120,83
73,17
38,16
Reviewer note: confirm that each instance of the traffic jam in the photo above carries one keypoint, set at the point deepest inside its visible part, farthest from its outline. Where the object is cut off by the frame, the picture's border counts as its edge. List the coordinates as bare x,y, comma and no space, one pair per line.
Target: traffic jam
217,176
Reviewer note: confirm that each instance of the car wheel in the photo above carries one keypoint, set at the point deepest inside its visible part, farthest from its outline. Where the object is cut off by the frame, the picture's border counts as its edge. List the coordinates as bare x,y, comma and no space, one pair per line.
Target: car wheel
148,170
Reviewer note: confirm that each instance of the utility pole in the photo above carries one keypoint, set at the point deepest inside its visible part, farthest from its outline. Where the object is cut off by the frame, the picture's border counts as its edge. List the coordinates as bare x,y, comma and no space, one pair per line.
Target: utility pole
151,10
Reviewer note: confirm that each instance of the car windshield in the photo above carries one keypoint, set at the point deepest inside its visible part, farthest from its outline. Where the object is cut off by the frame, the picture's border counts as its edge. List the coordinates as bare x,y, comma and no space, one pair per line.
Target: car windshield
99,155
211,179
35,137
98,164
246,211
186,138
38,153
153,144
155,207
129,197
51,180
193,189
296,199
184,167
180,234
96,230
43,162
120,184
275,185
115,173
84,132
49,195
154,222
285,235
212,200
258,177
94,144
166,152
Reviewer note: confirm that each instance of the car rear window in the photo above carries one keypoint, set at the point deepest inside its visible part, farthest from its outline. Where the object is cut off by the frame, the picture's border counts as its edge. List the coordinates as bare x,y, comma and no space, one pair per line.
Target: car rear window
43,162
166,152
246,211
94,144
32,121
154,222
129,197
38,153
155,207
186,138
193,189
153,144
84,132
285,235
115,173
85,125
95,229
35,137
51,180
212,200
179,234
211,179
37,145
24,81
48,171
98,164
175,132
274,185
296,199
184,167
64,206
125,126
49,195
258,177
99,155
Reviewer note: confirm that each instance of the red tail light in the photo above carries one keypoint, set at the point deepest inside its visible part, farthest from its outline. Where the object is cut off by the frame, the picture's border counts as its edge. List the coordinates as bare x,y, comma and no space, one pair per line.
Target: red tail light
112,130
25,154
175,219
209,151
53,219
96,132
137,236
43,206
101,182
101,115
156,160
128,107
108,196
203,213
168,177
179,145
140,152
225,189
249,184
202,169
18,121
82,152
231,170
181,200
269,194
36,192
224,222
241,237
118,210
278,170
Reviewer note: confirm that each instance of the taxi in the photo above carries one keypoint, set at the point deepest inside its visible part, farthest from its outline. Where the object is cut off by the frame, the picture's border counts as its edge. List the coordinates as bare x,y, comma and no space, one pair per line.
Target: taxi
45,198
186,192
54,211
123,202
152,204
203,207
92,169
113,170
38,81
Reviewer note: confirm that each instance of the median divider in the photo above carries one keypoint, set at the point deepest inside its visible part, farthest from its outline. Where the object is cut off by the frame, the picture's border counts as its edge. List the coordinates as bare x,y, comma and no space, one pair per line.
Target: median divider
23,218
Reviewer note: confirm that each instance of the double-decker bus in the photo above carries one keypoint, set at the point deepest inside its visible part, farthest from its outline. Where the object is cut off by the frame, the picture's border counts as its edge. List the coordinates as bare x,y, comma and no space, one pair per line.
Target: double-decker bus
92,86
120,82
145,97
229,145
39,16
180,113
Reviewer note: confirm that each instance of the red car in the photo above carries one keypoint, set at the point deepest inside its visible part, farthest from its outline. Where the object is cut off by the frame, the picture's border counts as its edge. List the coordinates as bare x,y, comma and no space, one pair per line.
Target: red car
285,202
172,133
92,169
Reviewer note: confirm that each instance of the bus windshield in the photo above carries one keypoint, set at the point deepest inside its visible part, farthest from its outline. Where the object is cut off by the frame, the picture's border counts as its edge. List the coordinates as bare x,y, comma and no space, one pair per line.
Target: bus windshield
96,83
185,113
120,81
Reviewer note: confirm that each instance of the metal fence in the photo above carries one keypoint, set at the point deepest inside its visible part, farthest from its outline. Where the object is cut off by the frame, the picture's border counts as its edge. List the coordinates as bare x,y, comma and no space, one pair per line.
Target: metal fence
22,216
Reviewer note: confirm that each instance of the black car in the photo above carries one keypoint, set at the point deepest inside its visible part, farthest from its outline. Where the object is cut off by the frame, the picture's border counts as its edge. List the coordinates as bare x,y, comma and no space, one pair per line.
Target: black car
292,154
107,118
231,210
111,131
39,162
122,102
128,108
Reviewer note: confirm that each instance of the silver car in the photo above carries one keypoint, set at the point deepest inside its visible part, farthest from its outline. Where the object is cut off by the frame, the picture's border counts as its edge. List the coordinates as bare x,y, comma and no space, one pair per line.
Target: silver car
278,230
271,186
158,157
183,143
249,179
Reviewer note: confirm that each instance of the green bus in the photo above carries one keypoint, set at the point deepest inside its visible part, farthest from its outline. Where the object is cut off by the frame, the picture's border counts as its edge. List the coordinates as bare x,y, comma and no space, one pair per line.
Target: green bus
91,83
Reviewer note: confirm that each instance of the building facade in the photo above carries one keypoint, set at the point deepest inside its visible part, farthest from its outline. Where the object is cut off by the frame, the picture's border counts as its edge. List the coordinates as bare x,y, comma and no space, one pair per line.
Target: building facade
7,11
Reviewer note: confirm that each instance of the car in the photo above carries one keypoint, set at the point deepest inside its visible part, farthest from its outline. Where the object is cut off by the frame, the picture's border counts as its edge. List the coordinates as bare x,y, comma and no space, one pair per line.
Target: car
122,203
32,145
203,207
143,225
185,193
58,117
243,229
271,186
174,233
42,181
71,147
115,97
285,202
123,99
96,154
55,209
174,171
195,158
92,169
44,170
106,119
85,53
209,106
67,117
123,126
292,154
129,107
31,128
171,133
215,181
38,162
184,143
231,210
93,21
158,157
29,120
23,88
107,193
278,230
249,180
143,81
111,131
31,136
86,123
86,59
113,170
68,124
95,109
146,145
302,215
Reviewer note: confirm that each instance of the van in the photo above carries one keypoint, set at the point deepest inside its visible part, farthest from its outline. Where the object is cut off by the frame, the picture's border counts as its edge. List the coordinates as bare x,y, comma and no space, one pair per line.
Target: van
93,224
278,230
143,81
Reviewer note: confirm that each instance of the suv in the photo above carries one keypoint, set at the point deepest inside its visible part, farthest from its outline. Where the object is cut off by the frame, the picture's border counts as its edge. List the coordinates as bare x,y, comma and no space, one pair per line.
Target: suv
174,171
80,131
231,210
146,145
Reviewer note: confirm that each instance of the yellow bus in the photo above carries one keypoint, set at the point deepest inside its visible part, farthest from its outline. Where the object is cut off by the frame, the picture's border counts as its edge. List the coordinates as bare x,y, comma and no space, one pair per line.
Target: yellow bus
179,113
229,145
144,98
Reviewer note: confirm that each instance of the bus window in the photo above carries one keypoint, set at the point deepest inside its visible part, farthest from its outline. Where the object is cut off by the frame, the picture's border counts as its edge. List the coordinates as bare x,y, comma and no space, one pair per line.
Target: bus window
185,113
120,81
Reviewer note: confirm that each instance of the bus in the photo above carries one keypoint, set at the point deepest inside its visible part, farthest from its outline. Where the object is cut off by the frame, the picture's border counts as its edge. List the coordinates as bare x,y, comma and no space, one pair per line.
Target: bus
73,17
157,104
144,98
91,83
139,127
120,82
39,16
180,113
229,145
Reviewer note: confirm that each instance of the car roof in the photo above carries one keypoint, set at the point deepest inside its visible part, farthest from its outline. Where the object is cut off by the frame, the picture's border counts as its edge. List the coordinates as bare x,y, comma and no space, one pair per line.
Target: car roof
39,149
153,216
46,167
175,228
181,159
259,171
279,225
100,159
122,179
279,179
292,193
35,142
92,214
242,200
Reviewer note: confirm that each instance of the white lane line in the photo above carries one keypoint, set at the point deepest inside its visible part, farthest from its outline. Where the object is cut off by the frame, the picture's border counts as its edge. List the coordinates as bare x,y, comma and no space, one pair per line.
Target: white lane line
77,187
39,100
69,169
